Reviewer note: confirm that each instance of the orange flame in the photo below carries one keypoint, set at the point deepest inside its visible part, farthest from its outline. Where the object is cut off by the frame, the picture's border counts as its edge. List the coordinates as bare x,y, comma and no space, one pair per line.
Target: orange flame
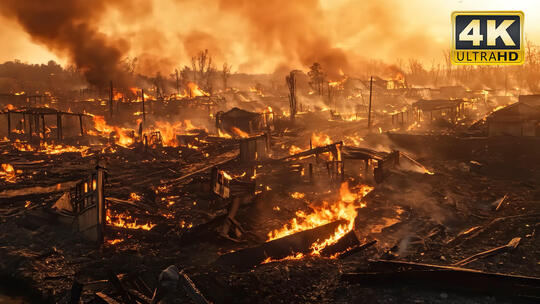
59,149
8,173
239,132
115,241
324,213
224,135
195,90
170,130
101,126
294,150
134,197
117,96
126,221
320,139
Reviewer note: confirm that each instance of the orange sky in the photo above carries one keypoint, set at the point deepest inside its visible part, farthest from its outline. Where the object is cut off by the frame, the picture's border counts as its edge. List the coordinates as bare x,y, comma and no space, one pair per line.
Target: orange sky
174,29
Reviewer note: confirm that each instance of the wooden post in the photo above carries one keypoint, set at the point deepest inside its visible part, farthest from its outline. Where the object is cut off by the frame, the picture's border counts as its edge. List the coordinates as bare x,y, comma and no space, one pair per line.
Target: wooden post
59,126
30,127
233,209
370,93
366,167
291,83
24,123
9,123
111,99
81,125
100,203
36,124
43,125
145,143
143,109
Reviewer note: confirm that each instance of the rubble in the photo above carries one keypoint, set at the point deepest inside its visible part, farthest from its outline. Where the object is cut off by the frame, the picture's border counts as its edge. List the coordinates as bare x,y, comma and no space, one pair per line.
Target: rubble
210,197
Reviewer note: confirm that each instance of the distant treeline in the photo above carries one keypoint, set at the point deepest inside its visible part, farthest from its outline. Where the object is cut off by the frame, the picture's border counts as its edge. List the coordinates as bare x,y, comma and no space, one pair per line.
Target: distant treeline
16,76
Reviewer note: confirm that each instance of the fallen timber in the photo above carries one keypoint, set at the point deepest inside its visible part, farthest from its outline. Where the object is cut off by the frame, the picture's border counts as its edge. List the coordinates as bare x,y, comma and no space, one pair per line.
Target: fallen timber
333,148
279,248
226,157
385,272
505,248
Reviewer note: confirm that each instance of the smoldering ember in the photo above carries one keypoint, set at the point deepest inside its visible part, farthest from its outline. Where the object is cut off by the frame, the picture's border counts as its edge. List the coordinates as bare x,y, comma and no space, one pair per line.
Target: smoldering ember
327,184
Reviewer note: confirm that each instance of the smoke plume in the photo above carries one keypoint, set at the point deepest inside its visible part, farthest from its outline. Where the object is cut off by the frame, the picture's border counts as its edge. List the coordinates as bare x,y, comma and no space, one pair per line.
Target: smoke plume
69,27
255,36
293,28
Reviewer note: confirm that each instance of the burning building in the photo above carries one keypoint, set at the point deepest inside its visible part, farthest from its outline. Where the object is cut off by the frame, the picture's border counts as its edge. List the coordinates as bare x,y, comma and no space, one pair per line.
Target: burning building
240,122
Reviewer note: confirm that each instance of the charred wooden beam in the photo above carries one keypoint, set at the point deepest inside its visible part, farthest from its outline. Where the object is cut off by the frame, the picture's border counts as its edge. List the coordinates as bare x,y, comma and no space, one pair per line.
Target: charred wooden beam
333,148
139,297
43,126
279,248
384,272
224,161
193,292
81,125
120,289
505,248
103,298
59,126
30,127
9,123
346,242
291,83
356,249
233,209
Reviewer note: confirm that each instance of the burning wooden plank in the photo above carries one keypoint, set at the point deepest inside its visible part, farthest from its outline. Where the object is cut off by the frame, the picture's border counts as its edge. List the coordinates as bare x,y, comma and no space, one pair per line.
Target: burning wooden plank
345,243
281,248
334,148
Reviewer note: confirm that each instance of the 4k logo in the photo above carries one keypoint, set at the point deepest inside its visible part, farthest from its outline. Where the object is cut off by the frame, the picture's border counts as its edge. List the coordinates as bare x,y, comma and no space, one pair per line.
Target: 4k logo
487,38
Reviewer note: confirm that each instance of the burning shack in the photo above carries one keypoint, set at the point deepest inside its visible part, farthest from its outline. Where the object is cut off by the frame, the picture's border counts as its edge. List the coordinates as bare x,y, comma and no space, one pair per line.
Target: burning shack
239,122
519,119
430,110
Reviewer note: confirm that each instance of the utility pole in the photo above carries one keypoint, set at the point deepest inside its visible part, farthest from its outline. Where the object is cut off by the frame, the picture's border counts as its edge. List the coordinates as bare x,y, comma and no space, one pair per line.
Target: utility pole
291,83
369,110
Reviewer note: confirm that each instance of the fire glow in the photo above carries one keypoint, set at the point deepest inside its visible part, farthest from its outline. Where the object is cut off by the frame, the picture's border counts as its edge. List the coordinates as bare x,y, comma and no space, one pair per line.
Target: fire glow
324,213
169,131
126,221
102,127
8,173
